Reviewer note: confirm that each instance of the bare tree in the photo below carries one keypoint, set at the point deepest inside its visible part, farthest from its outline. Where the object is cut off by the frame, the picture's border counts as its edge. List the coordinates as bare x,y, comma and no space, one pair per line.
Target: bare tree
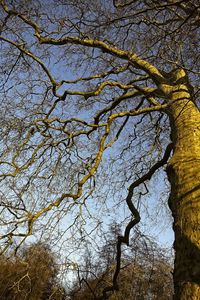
31,275
79,79
145,271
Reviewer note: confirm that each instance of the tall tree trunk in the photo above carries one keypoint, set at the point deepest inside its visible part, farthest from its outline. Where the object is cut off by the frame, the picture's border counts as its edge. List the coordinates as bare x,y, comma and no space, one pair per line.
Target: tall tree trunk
184,175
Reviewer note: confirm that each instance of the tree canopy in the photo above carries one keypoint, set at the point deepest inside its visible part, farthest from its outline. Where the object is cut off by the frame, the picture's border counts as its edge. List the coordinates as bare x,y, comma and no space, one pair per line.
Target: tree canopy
97,98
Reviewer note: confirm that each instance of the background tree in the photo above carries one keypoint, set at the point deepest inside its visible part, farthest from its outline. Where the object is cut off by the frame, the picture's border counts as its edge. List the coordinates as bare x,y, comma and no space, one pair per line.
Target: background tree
32,275
145,271
79,79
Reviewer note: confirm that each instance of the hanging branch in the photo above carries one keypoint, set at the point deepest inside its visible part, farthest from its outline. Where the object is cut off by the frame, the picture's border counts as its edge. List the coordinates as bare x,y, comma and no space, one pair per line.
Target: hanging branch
124,239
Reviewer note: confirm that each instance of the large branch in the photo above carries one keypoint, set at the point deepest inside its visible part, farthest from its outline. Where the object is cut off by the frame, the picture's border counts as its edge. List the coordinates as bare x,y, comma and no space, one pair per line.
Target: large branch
138,62
130,56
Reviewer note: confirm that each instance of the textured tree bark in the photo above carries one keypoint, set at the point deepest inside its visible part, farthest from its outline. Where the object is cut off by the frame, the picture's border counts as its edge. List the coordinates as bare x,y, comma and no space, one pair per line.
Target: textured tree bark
184,175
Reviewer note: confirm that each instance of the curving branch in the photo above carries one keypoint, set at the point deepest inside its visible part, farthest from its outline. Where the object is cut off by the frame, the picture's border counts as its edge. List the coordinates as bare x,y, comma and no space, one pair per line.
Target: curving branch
124,239
131,57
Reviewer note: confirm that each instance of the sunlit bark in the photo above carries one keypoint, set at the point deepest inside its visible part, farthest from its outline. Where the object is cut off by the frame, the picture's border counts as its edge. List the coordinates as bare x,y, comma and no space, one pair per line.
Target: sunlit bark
184,175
